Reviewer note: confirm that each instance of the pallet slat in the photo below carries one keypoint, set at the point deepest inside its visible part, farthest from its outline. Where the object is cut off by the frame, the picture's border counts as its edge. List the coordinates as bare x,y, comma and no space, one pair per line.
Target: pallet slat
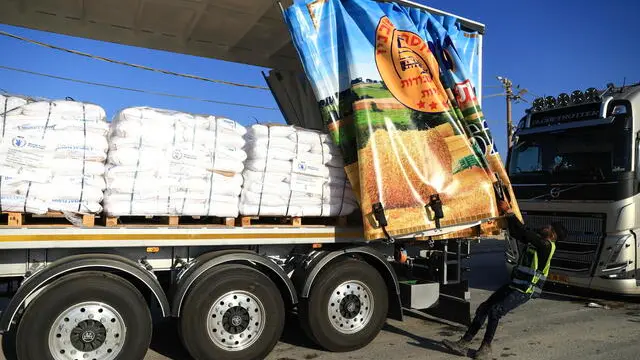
292,221
15,219
171,220
53,218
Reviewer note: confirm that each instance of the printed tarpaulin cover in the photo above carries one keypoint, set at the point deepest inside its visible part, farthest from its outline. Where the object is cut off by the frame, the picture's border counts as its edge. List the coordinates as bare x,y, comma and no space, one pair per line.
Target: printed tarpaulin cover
397,97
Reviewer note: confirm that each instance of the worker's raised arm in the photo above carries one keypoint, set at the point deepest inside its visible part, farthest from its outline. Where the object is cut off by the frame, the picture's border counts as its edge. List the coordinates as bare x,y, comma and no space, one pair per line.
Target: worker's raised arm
518,231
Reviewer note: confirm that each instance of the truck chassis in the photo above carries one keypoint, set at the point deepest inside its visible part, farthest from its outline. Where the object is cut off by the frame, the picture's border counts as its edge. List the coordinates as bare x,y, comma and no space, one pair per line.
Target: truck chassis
88,292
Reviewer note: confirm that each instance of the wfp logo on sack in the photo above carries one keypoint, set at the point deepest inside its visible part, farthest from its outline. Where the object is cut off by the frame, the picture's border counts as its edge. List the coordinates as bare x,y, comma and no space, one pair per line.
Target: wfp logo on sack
19,142
302,166
176,155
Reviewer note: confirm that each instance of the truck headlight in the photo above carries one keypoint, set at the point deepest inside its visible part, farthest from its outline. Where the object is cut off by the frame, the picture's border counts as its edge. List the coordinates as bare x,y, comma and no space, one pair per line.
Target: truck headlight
616,265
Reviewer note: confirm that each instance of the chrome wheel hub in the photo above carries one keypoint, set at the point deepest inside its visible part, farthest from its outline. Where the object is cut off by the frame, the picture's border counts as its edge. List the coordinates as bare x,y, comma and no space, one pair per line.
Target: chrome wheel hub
88,330
236,320
350,307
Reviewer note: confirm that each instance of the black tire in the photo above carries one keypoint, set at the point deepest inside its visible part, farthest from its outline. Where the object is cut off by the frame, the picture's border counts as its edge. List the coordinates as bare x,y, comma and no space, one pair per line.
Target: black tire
32,338
9,345
209,289
315,317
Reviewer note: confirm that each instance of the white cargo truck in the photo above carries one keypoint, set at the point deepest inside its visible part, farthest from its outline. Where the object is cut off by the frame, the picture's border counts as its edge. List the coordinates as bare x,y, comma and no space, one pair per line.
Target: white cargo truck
575,160
88,292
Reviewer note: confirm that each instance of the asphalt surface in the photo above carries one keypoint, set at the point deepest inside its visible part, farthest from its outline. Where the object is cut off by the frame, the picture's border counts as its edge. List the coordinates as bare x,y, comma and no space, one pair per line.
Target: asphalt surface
553,327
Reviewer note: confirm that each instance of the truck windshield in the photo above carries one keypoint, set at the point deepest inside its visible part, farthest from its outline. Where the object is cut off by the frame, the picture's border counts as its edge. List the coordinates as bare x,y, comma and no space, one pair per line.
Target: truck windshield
594,153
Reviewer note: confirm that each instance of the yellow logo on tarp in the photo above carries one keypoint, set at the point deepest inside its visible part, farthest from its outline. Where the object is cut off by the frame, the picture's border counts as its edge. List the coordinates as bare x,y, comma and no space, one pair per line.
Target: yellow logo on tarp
315,8
409,69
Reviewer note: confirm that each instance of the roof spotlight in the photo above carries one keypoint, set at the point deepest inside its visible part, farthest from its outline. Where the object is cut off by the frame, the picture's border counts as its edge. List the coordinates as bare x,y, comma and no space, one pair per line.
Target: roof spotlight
591,94
538,104
549,102
564,99
577,97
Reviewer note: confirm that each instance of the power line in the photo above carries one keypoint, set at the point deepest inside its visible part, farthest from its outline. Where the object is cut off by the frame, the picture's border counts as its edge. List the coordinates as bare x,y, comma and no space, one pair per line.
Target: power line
133,89
96,57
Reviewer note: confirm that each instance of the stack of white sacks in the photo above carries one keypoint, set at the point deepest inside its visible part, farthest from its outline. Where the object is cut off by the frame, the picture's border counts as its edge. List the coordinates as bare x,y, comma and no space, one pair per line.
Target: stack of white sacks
164,162
52,156
293,172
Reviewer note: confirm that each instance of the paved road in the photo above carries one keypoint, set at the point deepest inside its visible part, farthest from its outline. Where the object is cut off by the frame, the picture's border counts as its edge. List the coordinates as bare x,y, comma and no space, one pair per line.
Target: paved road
549,328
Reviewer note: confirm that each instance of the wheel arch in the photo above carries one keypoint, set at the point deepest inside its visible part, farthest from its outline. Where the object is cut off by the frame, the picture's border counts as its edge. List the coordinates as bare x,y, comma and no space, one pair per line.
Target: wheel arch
209,261
371,257
115,264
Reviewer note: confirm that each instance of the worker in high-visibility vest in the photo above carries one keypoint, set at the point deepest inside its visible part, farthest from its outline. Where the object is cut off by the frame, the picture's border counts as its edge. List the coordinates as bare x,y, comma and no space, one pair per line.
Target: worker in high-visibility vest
527,280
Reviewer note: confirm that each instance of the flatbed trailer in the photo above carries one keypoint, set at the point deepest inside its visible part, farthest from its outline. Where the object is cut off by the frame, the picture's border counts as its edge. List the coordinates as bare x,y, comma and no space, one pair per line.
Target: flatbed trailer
88,292
302,269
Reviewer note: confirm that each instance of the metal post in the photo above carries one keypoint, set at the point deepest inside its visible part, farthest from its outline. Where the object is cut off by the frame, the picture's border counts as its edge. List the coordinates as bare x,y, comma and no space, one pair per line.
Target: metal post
509,96
508,92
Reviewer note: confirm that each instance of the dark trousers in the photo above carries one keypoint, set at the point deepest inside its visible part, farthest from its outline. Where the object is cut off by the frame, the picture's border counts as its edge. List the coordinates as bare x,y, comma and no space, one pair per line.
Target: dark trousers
497,305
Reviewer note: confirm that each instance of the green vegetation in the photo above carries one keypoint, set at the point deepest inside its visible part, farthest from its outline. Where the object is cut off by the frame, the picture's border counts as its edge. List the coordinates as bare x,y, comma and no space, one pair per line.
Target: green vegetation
401,119
375,91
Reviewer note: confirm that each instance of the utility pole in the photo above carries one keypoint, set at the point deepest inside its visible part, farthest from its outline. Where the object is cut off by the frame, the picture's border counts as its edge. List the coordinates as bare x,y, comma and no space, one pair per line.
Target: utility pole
508,91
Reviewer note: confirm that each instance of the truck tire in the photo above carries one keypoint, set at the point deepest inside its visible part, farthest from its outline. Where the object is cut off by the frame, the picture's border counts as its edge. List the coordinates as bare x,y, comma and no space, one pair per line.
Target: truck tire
233,312
86,315
347,306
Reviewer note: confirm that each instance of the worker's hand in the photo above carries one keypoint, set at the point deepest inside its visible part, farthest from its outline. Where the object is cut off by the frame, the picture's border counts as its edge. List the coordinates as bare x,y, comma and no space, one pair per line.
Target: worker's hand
504,207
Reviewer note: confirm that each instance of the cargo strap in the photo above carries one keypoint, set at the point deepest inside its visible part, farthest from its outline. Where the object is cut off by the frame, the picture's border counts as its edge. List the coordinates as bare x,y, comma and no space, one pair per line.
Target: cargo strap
4,125
291,176
171,173
264,171
344,189
323,165
215,144
84,156
44,132
4,115
135,175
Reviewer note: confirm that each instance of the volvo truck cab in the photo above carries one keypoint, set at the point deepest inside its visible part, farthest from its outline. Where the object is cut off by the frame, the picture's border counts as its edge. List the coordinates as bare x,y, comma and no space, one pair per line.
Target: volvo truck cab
575,160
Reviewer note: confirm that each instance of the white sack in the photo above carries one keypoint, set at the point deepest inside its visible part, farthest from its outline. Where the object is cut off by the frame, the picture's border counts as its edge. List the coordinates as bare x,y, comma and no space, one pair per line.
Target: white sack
293,172
163,162
67,174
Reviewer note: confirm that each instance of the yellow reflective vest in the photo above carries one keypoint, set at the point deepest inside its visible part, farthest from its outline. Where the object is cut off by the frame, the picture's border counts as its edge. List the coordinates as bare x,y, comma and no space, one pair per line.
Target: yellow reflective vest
527,276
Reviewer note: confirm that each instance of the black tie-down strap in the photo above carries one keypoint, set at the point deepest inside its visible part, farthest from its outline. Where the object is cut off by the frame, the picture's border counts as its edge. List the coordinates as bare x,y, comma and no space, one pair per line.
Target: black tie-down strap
378,214
436,206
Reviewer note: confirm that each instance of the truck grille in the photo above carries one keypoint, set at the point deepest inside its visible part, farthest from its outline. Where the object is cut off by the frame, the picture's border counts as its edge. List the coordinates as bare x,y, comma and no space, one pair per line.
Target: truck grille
578,253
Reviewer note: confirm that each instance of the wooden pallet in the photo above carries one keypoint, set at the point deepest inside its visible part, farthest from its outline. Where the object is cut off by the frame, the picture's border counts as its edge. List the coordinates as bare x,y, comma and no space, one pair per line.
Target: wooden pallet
53,218
292,221
113,221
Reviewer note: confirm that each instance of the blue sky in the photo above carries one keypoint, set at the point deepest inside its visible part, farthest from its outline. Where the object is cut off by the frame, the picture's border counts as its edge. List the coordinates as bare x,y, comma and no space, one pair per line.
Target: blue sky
546,46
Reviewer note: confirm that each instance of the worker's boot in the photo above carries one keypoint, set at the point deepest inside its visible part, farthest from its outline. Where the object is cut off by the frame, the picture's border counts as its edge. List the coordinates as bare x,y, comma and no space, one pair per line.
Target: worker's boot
458,347
484,352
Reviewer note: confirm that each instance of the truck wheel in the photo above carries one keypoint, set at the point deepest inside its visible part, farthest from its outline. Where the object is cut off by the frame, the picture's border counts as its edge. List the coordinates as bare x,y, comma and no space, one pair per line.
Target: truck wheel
86,315
233,312
347,306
